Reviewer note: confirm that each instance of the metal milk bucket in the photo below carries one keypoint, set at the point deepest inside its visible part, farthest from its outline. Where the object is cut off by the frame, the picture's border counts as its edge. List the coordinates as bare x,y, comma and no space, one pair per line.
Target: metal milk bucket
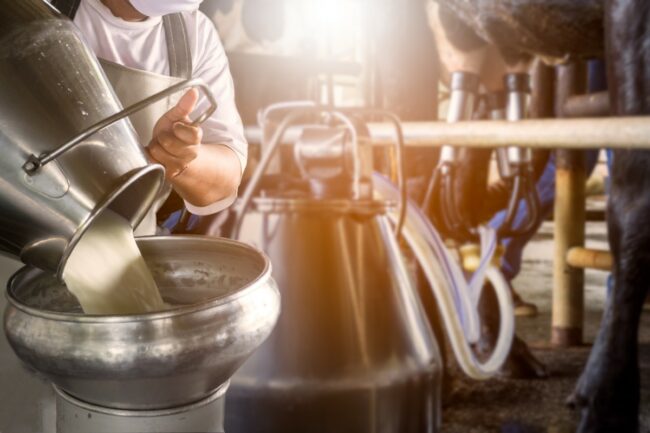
225,305
352,350
68,151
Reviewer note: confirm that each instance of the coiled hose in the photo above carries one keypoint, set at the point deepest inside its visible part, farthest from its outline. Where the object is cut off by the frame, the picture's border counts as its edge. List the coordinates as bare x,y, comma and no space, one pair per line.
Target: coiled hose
458,300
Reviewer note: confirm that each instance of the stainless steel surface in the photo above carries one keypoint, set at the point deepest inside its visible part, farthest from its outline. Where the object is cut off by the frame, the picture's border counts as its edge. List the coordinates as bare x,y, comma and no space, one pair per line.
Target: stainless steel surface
35,162
503,164
158,360
205,416
516,110
353,350
355,156
268,152
322,152
52,87
297,111
461,107
27,401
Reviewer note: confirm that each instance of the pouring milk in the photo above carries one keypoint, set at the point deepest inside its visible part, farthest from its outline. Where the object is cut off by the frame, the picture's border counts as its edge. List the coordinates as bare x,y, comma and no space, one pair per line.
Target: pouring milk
107,273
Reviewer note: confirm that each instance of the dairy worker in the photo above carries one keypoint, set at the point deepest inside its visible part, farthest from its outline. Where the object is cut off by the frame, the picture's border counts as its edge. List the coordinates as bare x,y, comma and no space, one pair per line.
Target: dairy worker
145,46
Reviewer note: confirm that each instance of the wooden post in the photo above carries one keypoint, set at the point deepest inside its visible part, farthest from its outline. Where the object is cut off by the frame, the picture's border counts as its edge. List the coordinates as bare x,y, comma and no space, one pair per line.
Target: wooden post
569,220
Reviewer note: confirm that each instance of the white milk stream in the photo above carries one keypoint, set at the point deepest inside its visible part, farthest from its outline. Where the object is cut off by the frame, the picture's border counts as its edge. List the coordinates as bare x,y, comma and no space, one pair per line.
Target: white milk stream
107,273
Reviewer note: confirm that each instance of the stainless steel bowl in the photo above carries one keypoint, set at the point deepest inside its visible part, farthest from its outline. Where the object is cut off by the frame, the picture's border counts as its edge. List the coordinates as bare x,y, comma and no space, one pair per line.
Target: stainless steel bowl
229,305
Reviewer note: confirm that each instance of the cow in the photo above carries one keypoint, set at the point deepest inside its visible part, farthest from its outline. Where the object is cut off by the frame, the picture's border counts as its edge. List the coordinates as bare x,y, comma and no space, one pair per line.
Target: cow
607,393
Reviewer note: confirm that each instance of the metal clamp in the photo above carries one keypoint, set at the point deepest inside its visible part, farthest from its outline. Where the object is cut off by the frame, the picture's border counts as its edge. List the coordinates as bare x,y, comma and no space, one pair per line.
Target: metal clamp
34,163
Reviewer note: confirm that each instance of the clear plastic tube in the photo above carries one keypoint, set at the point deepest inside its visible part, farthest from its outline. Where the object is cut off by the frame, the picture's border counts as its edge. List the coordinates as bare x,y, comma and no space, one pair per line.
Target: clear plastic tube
457,299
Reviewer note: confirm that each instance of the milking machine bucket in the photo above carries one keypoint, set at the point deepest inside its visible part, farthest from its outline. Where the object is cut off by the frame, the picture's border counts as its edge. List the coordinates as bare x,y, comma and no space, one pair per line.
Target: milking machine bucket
68,151
352,350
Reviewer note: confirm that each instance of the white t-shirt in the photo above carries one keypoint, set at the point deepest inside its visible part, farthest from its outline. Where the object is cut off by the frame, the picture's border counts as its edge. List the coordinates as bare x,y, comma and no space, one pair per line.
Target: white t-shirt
143,45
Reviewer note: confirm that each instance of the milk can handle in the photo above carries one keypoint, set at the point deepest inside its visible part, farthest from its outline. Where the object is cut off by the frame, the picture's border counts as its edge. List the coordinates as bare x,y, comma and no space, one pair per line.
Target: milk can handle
34,163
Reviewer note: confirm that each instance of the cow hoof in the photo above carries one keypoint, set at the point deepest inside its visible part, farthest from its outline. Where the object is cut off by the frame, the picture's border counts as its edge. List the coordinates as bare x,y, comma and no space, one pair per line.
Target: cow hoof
575,401
522,364
600,410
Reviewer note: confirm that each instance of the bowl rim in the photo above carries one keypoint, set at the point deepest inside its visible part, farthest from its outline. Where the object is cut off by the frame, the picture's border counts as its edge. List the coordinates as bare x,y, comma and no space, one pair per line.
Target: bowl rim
134,177
258,282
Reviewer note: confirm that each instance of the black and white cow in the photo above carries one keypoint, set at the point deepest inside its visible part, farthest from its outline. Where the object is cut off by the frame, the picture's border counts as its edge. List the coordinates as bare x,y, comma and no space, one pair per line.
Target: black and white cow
608,390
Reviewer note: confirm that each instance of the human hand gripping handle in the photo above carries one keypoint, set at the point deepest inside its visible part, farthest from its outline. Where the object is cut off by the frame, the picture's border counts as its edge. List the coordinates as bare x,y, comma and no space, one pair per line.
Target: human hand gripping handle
176,139
201,173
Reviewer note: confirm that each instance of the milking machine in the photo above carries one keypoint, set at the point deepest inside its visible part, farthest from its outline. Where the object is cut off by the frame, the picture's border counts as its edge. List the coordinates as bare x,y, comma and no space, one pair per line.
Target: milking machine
69,153
462,98
514,163
353,349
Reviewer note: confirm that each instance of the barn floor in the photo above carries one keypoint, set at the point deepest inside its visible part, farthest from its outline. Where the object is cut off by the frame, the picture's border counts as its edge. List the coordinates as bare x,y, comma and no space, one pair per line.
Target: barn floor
535,406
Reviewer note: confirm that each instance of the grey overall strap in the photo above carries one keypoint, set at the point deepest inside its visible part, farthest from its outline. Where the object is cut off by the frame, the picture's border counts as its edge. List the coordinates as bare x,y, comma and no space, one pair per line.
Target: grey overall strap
180,66
66,7
178,46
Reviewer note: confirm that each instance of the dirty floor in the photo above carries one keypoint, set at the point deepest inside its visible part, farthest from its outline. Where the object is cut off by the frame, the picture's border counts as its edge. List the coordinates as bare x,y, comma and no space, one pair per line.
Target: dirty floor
537,406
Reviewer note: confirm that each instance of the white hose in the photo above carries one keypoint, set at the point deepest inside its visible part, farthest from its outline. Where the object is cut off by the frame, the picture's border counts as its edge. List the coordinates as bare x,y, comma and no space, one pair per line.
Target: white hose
458,300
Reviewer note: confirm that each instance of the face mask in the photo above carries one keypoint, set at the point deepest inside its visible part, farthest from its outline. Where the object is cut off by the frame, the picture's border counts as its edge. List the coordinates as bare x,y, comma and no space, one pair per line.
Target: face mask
158,8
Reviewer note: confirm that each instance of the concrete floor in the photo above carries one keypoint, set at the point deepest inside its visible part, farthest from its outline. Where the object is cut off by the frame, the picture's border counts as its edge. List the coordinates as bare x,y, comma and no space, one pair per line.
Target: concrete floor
519,406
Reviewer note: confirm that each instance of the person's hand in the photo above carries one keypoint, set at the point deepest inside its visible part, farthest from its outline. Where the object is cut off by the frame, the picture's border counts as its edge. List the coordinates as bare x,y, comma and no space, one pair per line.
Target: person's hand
175,143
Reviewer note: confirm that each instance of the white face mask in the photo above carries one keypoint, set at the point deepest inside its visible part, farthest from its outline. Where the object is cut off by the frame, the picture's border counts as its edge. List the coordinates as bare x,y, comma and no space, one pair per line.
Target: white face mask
158,8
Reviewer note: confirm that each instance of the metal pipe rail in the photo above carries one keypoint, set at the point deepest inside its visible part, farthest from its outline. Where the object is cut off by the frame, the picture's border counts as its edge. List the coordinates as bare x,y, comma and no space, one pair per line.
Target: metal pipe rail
586,133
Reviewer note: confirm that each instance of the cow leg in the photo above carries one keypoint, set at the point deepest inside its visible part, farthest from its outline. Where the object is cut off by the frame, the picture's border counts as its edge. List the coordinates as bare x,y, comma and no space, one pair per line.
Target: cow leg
608,390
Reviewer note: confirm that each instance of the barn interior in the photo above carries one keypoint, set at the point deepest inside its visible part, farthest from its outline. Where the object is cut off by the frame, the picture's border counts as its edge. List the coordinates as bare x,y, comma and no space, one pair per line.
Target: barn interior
438,225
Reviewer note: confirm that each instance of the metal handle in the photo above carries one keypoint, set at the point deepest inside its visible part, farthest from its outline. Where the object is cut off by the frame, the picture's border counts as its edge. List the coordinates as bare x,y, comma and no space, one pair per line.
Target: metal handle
356,157
399,152
34,163
273,144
